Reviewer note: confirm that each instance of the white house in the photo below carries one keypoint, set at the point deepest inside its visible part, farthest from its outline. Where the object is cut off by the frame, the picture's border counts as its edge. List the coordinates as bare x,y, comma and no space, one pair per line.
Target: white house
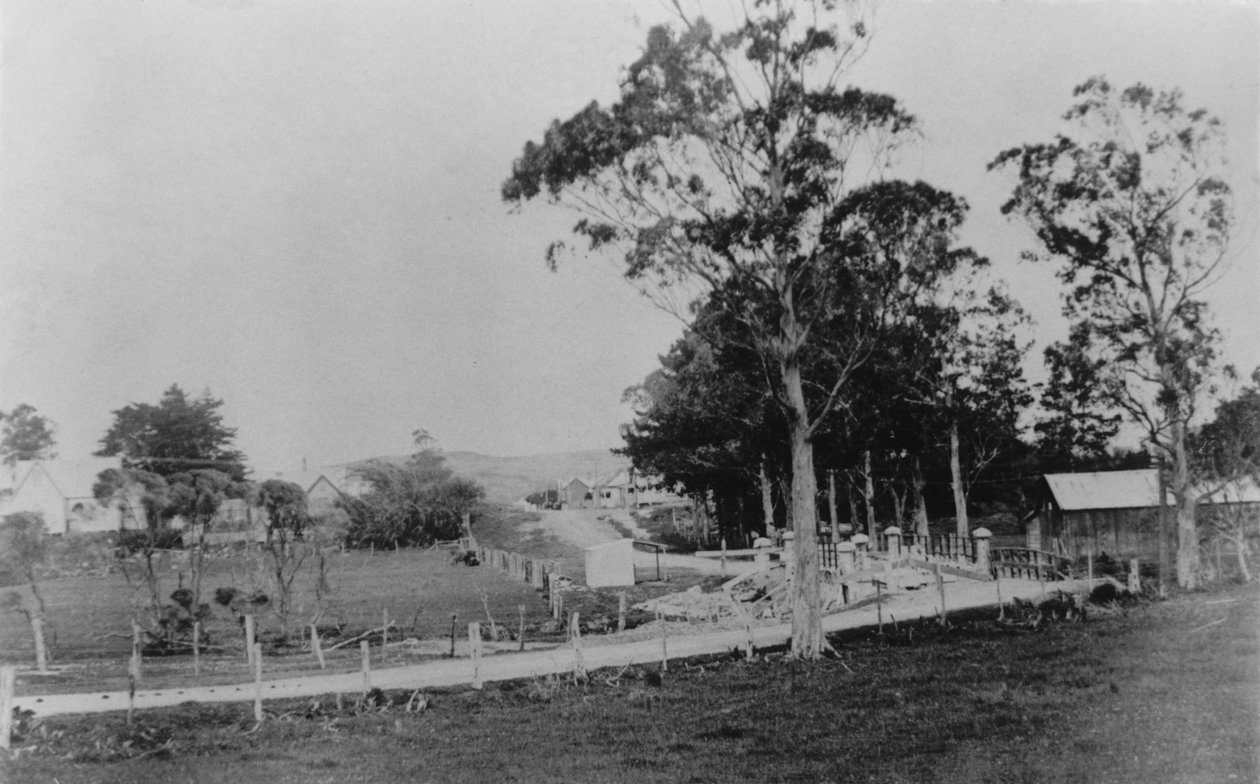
60,490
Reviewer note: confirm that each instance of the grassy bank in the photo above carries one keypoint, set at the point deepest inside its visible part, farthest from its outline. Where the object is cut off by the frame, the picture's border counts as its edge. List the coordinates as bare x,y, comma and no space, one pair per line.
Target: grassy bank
1163,692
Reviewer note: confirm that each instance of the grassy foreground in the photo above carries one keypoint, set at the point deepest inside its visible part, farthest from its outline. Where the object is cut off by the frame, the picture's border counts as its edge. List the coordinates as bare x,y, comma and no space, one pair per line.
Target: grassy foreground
1164,692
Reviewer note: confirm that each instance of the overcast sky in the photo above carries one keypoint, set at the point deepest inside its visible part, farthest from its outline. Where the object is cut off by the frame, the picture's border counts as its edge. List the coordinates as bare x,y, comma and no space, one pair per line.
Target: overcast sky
295,204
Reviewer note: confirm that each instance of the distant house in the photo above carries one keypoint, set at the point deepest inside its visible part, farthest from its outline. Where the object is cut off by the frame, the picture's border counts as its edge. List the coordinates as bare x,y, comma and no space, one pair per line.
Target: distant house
651,490
1112,512
60,491
576,494
617,492
323,487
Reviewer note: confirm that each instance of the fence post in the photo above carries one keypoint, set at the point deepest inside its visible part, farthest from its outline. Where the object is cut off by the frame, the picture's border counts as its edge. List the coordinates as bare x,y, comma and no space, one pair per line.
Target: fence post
249,639
879,604
196,647
384,629
892,541
940,586
575,635
258,711
861,544
980,540
621,611
844,557
366,666
660,620
474,646
521,635
135,650
8,676
1135,579
316,646
133,675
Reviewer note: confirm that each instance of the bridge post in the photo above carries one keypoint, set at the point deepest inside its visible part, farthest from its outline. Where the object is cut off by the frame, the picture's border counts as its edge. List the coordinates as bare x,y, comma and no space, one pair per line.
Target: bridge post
892,541
980,538
861,543
844,557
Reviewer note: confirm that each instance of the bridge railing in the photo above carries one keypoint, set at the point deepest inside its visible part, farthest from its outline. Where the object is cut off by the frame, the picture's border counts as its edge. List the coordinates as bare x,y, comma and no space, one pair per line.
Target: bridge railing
1024,562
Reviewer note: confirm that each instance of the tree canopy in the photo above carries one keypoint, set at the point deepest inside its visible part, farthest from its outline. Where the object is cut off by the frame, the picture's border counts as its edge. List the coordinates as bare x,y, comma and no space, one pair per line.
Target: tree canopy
25,435
178,434
412,504
1134,210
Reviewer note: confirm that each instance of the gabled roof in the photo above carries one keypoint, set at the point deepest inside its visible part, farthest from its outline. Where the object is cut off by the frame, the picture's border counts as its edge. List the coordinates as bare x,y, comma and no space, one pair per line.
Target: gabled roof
1133,490
1243,491
619,479
72,478
308,479
1105,489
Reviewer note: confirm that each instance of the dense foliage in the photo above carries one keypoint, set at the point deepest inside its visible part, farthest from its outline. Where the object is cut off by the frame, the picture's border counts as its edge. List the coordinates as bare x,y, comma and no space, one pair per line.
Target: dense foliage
25,435
178,434
409,505
1133,209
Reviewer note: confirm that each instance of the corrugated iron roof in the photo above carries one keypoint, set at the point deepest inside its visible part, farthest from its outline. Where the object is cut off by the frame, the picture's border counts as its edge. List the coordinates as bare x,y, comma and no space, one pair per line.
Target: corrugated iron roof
1105,489
1134,489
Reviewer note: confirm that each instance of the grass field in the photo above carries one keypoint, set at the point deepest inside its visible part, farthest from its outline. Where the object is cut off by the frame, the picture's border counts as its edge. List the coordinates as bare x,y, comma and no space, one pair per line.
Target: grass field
89,615
1162,692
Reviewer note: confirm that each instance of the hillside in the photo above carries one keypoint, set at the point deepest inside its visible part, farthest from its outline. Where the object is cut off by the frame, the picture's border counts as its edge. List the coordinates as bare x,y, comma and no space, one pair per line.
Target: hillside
507,479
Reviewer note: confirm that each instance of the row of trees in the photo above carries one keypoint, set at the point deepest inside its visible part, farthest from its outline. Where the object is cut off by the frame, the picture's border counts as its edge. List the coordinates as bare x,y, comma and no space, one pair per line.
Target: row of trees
179,463
737,174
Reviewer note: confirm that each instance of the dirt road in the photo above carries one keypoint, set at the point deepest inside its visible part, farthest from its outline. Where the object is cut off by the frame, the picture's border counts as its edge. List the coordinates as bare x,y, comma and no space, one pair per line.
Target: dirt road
583,528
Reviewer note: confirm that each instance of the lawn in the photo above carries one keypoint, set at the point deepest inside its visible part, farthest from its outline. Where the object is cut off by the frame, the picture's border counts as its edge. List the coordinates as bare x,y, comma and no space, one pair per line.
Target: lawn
1152,692
89,614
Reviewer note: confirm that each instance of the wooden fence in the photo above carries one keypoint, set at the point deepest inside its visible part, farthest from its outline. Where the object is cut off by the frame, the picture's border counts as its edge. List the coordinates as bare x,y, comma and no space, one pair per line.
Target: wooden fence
1032,564
536,572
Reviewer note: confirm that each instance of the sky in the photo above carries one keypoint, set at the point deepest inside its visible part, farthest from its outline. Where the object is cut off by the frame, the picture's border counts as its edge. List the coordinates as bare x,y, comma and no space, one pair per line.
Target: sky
295,205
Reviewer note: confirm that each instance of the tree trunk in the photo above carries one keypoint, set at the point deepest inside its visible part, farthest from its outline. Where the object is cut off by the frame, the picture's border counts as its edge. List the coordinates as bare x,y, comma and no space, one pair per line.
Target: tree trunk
853,508
767,501
1239,539
961,526
1186,500
807,638
920,503
899,502
831,502
869,494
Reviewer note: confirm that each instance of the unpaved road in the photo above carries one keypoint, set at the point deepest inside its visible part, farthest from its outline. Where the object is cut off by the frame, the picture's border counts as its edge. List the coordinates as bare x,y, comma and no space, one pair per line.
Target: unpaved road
582,528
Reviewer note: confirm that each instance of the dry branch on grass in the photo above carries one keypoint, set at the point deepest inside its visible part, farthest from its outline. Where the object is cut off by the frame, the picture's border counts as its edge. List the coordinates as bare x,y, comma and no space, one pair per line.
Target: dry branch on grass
365,635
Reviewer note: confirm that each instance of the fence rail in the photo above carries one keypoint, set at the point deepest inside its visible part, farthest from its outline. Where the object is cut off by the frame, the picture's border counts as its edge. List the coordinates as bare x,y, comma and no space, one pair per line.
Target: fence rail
950,547
1025,562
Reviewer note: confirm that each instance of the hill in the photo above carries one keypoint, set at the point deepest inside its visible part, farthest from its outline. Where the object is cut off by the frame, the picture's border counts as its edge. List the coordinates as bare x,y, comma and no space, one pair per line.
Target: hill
507,479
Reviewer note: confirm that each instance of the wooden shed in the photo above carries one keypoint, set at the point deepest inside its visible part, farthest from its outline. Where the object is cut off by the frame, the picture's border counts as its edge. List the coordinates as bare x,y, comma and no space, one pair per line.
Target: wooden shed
1112,512
1117,512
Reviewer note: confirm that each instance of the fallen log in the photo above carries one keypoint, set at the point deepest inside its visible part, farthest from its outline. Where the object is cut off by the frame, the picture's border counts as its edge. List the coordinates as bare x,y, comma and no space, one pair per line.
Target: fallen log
365,635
